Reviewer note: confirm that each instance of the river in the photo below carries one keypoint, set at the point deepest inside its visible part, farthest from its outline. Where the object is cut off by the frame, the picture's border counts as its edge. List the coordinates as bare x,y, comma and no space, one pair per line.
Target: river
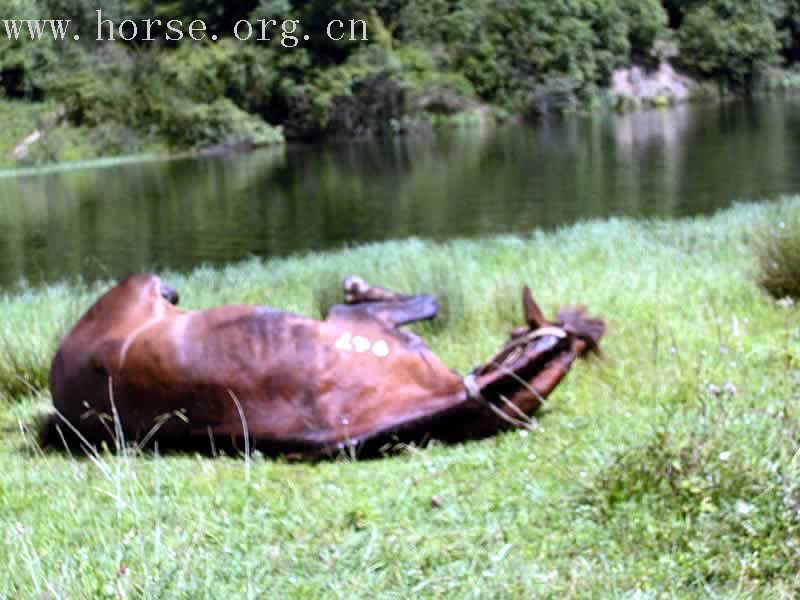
106,222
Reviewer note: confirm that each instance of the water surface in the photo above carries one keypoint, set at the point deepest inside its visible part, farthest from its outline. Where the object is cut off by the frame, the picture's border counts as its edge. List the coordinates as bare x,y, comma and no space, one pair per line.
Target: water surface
106,222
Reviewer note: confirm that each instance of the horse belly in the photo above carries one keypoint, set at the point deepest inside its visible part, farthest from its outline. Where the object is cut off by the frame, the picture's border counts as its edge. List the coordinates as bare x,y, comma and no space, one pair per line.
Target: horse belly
258,370
365,392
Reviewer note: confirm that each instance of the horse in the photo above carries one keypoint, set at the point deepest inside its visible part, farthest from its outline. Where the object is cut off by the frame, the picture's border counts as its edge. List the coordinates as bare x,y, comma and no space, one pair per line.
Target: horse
137,368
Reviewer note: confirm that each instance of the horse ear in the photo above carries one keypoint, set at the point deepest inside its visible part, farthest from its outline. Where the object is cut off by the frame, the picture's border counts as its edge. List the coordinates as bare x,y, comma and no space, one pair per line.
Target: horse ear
533,314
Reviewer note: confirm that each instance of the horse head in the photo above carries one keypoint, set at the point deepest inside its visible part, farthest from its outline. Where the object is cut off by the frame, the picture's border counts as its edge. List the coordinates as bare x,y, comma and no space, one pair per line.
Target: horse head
535,358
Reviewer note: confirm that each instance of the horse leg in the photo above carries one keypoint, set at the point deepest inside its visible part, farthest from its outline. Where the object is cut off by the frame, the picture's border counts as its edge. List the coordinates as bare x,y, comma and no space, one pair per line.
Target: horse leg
363,299
358,291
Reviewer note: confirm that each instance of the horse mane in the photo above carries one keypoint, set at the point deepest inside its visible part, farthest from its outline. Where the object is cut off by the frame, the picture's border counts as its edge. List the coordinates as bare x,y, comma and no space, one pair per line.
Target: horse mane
574,320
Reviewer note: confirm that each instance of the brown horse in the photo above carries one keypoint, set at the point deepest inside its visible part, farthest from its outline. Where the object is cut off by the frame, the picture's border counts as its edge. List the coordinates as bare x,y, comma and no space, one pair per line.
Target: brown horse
136,367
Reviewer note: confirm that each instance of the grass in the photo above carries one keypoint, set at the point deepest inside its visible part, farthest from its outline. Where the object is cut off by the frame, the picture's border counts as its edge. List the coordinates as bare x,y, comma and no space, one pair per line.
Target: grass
778,252
17,120
668,469
781,79
66,146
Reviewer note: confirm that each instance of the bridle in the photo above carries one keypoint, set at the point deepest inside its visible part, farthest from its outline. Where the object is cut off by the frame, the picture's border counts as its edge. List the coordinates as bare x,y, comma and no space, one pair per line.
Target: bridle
506,358
516,348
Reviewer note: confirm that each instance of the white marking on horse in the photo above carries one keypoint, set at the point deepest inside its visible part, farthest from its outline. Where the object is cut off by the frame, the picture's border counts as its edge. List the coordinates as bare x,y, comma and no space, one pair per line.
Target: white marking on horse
343,343
361,344
380,349
350,343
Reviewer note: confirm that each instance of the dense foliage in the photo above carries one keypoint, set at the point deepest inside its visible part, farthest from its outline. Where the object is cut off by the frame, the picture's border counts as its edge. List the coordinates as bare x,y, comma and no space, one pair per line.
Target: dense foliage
422,59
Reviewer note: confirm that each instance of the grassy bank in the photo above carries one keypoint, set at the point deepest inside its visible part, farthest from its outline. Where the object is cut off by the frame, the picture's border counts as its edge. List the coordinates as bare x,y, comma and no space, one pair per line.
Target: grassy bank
649,474
63,146
18,120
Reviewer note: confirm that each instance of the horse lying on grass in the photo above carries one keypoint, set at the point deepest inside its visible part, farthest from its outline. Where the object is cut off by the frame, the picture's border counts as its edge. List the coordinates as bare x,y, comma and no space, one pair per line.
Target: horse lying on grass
137,368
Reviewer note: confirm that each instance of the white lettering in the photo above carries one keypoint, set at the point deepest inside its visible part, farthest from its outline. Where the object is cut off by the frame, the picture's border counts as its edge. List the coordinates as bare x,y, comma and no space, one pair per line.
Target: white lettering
200,29
340,24
353,24
249,31
264,24
171,27
36,29
100,23
62,29
122,30
149,24
12,29
288,28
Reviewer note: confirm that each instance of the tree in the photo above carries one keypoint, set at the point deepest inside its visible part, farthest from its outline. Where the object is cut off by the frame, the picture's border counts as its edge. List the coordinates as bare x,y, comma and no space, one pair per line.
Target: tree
730,41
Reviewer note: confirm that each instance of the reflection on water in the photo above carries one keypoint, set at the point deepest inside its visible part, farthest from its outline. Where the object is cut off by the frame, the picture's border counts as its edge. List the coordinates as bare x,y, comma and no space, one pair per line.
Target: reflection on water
107,222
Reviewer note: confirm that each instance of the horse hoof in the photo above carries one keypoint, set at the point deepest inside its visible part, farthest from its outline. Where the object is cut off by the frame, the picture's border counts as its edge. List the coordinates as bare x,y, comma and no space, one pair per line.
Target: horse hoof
354,288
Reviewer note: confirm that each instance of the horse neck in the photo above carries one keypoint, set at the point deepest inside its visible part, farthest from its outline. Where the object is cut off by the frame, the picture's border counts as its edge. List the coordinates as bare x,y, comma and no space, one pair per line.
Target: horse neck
513,398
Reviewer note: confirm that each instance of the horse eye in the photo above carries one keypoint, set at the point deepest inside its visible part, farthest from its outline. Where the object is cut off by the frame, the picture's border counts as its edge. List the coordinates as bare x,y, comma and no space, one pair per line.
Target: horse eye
170,294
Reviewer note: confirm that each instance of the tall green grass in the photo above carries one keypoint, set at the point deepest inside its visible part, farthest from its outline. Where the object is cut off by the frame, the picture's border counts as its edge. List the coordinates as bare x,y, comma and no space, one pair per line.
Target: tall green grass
777,246
17,120
669,468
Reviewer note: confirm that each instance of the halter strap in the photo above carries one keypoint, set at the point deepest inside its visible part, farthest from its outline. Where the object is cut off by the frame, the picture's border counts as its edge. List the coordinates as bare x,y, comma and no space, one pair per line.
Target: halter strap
553,330
473,389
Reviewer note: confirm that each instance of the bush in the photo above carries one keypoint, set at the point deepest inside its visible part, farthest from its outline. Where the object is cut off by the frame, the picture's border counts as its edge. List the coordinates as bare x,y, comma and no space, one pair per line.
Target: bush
777,249
509,52
723,509
24,64
181,97
377,90
374,105
791,25
242,73
647,23
729,42
219,122
528,44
